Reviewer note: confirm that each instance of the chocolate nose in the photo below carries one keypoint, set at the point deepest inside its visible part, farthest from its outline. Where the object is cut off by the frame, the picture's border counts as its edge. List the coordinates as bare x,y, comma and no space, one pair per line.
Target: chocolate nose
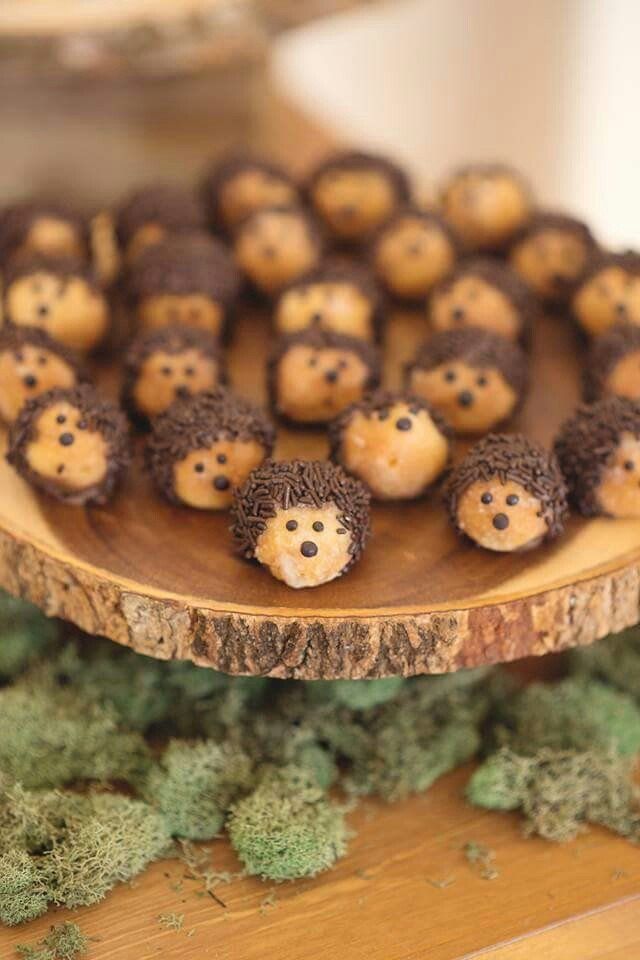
621,309
66,439
316,318
308,548
558,279
29,380
183,392
221,482
269,252
465,398
501,521
43,309
331,376
457,314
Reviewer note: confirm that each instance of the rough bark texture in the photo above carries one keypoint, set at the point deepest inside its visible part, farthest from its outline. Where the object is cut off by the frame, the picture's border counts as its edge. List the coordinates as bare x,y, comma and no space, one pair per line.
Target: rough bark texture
312,648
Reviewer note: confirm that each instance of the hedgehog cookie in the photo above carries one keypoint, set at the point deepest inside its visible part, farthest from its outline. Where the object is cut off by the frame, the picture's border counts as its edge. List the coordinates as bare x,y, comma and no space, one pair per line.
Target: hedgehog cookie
486,204
42,228
72,444
507,494
275,246
237,186
190,280
613,364
168,364
31,363
550,254
483,293
151,214
306,521
395,443
412,252
60,296
338,298
599,453
608,292
353,193
315,374
474,378
206,445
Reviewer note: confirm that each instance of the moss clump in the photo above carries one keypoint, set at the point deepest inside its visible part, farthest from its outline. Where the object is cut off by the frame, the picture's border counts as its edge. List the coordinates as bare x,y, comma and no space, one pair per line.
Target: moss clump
614,661
287,828
355,694
24,634
194,784
23,893
65,941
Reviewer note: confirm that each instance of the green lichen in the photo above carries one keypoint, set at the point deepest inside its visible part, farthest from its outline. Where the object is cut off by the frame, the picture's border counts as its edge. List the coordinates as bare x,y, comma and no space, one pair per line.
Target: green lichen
24,635
614,660
65,941
355,694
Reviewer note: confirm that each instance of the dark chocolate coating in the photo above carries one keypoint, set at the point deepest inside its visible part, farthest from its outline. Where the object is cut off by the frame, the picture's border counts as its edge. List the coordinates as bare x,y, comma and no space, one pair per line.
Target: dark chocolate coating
172,207
17,219
604,353
65,268
221,171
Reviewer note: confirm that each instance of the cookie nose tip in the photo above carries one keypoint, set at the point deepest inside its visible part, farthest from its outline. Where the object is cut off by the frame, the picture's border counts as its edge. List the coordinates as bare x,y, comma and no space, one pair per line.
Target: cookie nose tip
621,309
465,399
43,309
66,439
221,482
182,392
316,317
501,521
457,314
29,380
331,376
308,548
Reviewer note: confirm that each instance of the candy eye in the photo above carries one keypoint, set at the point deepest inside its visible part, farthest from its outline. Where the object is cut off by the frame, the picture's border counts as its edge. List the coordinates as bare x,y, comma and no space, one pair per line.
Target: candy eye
512,499
343,364
313,361
166,371
42,361
199,468
487,497
81,424
404,423
19,356
318,526
189,371
481,381
450,376
221,458
291,524
629,465
61,418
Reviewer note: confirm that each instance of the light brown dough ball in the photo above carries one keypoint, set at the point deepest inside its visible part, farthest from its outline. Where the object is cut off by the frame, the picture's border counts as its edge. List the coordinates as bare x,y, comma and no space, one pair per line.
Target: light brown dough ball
486,205
501,516
303,547
413,252
276,246
30,364
333,298
205,478
550,255
608,293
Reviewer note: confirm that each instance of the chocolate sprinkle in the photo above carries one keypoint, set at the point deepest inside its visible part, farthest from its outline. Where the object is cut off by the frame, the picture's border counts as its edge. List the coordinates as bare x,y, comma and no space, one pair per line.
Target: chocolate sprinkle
512,457
198,422
279,485
587,440
64,268
16,221
14,338
605,353
220,172
100,415
172,207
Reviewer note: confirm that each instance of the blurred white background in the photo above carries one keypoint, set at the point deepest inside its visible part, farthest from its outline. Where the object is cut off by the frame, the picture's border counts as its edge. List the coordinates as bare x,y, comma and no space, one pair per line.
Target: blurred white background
551,86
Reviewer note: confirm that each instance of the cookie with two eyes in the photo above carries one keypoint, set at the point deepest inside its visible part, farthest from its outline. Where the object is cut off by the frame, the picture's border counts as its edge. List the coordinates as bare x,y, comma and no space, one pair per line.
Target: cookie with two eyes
608,292
306,521
507,494
474,378
550,254
412,252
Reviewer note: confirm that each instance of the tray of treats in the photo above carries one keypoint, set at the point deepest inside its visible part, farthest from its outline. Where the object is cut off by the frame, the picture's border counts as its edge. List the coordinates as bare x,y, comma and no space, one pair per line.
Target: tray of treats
311,429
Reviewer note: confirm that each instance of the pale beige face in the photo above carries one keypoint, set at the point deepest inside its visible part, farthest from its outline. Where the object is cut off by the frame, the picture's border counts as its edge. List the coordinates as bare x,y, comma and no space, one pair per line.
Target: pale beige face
472,399
501,516
340,307
147,235
53,237
27,372
305,546
412,255
250,190
618,492
69,309
190,310
65,450
623,379
354,202
314,385
550,261
398,453
485,209
205,478
472,302
165,376
610,296
275,248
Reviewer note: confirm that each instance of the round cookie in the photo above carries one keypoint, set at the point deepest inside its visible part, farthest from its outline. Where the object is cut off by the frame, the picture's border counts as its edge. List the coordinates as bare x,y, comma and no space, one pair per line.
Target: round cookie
49,229
550,254
191,280
613,364
398,445
151,214
72,444
474,378
608,292
486,204
275,246
412,252
507,494
306,521
315,374
336,297
169,364
206,445
482,292
60,296
31,363
599,453
353,193
238,185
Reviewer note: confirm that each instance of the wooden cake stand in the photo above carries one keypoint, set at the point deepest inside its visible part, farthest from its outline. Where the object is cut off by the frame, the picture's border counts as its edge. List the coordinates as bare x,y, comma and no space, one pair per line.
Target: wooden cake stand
165,580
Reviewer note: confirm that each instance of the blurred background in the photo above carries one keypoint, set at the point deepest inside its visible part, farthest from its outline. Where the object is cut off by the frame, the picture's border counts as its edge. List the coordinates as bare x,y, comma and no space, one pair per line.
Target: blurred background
100,94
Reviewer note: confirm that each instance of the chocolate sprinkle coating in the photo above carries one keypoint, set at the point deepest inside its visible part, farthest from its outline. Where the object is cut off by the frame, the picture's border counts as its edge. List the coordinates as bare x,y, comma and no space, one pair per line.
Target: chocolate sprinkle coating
605,353
198,422
477,348
100,415
279,485
65,268
497,274
172,340
221,171
17,219
170,206
587,440
543,221
13,338
512,457
320,340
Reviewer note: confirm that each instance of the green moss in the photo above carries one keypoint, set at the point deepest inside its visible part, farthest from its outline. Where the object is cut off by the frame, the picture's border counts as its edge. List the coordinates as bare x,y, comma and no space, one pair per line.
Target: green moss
287,828
23,894
65,941
614,660
355,694
24,634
